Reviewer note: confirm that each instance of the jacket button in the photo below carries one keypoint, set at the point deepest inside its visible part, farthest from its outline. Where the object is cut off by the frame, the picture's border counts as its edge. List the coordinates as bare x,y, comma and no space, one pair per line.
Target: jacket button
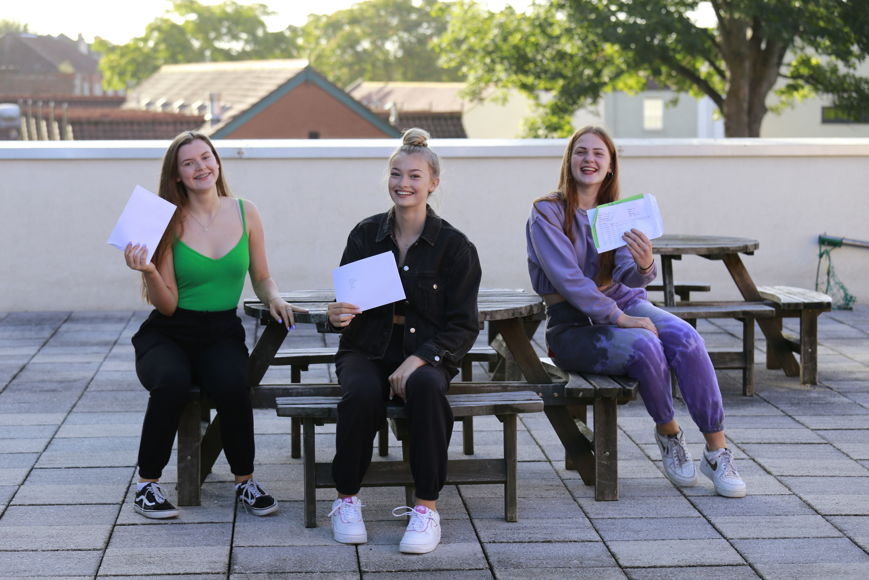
437,358
406,268
435,286
412,330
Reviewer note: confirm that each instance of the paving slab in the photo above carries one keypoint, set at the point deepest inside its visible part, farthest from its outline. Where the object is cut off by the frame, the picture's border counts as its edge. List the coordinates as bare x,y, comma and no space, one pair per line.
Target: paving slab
583,573
74,486
805,526
661,528
637,507
145,560
90,452
717,552
751,505
769,551
45,564
531,529
301,559
814,571
693,572
533,556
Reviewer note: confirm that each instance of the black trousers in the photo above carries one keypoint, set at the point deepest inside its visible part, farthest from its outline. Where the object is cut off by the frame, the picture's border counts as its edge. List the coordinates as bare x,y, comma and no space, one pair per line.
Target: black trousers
362,410
202,348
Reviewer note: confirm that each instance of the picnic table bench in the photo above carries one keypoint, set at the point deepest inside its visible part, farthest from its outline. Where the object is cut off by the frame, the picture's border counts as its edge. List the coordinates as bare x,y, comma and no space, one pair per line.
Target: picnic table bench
504,405
747,312
807,305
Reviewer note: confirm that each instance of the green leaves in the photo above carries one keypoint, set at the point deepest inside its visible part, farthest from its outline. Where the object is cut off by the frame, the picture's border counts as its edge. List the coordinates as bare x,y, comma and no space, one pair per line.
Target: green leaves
566,53
194,32
378,40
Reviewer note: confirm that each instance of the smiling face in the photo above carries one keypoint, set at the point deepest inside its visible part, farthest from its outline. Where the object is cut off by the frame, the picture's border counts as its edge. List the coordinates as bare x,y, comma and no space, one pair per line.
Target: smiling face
198,168
410,180
590,161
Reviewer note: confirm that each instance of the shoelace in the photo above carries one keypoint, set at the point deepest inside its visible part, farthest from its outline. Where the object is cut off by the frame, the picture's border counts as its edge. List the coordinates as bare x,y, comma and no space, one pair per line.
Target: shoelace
418,522
677,451
251,488
156,492
725,460
349,512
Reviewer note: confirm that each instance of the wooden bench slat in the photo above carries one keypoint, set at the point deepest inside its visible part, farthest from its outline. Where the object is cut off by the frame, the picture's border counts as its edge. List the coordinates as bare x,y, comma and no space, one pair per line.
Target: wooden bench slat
462,405
735,309
792,298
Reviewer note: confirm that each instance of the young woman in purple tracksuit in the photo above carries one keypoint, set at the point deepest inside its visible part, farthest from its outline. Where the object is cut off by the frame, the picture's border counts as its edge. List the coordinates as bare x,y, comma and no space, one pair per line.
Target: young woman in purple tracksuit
598,318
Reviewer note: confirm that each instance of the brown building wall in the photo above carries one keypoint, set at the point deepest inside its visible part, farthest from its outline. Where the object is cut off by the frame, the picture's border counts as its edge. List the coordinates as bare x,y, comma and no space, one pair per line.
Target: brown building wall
304,110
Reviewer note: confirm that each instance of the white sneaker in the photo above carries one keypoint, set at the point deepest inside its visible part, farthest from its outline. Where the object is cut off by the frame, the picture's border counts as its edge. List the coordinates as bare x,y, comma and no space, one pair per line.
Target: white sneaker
423,533
678,465
718,466
347,524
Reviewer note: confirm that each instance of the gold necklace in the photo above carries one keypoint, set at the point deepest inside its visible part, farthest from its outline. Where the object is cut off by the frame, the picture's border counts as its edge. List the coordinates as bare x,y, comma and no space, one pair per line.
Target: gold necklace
204,227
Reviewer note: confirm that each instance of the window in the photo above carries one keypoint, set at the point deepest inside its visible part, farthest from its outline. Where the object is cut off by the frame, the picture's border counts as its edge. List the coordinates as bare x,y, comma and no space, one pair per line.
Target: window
832,115
653,114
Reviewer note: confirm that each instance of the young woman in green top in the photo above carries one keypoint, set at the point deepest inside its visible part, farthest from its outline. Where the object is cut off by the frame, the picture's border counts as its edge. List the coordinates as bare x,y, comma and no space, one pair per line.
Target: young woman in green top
194,337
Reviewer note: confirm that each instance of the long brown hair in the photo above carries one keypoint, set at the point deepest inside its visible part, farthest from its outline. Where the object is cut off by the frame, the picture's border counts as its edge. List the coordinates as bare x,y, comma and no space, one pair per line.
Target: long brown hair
568,194
172,190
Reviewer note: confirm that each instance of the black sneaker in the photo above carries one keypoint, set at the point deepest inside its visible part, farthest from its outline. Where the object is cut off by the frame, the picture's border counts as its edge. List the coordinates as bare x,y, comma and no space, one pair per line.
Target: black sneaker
254,498
151,503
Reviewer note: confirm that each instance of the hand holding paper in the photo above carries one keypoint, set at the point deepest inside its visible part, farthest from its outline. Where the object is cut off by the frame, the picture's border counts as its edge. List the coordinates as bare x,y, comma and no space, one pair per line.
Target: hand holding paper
143,221
369,282
610,221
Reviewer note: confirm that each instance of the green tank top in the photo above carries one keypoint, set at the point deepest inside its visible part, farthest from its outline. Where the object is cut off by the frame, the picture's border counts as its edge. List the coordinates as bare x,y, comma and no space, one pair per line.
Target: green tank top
208,284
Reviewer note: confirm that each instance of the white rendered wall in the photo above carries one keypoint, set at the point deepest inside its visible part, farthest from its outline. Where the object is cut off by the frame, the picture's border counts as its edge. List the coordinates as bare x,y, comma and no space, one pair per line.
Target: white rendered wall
60,201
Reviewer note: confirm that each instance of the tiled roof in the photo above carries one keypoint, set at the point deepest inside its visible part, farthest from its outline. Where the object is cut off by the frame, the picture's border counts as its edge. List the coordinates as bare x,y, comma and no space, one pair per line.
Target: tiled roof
415,97
56,50
438,125
78,101
239,84
91,123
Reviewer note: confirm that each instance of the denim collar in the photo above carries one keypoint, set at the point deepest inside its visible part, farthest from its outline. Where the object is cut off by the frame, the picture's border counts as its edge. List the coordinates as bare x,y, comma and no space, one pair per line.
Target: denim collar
429,232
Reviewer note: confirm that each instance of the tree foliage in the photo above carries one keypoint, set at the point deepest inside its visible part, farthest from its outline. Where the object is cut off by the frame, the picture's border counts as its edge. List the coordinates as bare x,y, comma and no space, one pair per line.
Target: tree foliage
754,49
13,26
389,40
378,40
194,32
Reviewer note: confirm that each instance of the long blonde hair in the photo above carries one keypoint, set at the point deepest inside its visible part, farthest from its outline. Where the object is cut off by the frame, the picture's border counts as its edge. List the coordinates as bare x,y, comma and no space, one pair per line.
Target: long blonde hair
568,194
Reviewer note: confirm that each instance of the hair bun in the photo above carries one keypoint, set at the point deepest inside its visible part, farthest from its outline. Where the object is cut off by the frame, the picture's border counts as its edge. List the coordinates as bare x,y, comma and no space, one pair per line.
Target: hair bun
416,137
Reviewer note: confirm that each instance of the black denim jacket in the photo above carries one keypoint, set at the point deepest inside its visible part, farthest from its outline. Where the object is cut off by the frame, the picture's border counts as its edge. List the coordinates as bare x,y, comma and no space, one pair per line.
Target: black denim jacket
441,278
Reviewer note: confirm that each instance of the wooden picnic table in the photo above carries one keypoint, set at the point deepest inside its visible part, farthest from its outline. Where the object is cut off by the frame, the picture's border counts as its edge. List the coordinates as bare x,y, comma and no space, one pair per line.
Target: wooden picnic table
727,249
512,314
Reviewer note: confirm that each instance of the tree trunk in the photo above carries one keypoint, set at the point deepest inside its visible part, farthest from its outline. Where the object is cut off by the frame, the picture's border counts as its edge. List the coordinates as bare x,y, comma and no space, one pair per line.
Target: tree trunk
753,62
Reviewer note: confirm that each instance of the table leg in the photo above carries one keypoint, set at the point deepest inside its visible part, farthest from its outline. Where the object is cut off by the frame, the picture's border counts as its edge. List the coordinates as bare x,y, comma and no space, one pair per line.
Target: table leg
669,284
517,341
776,344
264,352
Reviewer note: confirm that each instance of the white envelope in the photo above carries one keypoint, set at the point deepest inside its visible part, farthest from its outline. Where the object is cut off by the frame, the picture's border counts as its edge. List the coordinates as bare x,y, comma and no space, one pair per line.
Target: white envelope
143,221
369,282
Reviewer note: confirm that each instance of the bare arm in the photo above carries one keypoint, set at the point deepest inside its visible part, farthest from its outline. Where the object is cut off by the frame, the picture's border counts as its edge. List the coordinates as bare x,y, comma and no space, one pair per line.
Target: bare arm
159,278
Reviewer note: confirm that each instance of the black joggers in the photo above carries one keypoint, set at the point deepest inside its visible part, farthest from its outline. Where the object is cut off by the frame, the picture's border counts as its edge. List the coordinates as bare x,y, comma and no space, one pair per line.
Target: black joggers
193,348
362,411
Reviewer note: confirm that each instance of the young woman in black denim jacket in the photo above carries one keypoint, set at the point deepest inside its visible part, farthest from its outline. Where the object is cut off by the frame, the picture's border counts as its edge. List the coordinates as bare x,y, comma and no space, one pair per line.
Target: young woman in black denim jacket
408,350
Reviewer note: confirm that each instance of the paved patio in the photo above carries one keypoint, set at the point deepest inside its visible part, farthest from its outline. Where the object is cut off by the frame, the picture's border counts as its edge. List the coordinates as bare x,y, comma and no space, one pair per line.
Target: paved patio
71,409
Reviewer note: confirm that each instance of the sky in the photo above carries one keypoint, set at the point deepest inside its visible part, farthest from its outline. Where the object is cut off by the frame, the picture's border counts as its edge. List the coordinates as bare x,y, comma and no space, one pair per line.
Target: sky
118,22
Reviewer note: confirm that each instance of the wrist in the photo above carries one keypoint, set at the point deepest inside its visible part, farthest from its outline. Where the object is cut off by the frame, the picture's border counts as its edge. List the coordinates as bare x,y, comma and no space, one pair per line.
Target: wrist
649,267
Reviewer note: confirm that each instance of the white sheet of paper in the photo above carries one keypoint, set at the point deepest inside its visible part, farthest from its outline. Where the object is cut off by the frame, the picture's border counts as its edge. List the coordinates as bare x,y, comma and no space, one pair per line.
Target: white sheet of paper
611,220
369,282
143,221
